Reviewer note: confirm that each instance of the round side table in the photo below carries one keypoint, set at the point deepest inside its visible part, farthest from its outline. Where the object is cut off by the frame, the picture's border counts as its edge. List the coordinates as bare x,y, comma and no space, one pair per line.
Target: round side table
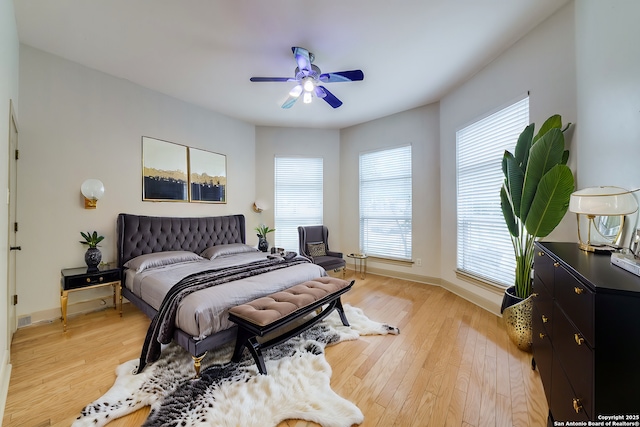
359,264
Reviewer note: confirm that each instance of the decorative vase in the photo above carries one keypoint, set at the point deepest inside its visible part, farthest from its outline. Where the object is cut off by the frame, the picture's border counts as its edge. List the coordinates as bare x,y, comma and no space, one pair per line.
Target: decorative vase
92,257
263,245
516,314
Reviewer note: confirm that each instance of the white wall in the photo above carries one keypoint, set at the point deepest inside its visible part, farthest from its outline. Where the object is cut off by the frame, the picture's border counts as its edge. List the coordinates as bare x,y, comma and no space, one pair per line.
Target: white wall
9,59
418,127
277,141
608,82
77,123
543,63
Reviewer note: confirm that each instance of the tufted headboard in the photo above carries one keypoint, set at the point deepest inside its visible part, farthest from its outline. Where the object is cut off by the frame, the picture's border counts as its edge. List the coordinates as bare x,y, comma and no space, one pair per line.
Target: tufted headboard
138,235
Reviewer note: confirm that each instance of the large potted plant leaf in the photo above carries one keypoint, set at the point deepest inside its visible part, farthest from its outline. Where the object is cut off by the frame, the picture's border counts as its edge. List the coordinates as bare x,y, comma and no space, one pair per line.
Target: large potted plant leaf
534,198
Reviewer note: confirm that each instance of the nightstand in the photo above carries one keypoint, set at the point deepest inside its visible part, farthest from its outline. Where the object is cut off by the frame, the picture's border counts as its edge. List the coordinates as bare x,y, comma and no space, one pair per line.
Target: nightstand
81,278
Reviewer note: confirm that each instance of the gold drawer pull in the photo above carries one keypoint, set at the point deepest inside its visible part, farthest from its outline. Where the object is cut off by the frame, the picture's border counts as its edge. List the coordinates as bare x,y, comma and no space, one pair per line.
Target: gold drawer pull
578,338
88,280
577,405
540,253
556,264
101,279
542,335
545,319
578,290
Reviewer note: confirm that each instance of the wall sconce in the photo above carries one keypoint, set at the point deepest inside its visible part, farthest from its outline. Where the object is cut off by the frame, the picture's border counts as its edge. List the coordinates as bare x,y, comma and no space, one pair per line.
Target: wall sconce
605,209
92,190
258,207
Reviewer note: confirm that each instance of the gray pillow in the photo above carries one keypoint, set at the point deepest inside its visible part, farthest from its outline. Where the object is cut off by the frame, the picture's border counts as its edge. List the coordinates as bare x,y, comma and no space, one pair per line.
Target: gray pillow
230,249
159,259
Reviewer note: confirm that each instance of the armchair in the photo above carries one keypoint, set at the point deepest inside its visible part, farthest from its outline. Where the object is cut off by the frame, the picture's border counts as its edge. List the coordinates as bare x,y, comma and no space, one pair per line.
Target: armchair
314,244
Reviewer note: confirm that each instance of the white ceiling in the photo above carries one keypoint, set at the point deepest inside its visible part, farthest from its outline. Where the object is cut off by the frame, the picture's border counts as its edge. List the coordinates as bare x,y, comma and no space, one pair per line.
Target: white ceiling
204,51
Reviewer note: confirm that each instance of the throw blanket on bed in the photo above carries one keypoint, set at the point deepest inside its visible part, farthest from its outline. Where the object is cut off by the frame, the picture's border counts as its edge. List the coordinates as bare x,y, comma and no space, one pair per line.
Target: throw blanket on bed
163,325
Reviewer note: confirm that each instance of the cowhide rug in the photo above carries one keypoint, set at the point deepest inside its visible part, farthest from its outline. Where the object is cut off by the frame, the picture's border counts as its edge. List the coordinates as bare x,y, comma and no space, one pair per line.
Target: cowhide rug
235,394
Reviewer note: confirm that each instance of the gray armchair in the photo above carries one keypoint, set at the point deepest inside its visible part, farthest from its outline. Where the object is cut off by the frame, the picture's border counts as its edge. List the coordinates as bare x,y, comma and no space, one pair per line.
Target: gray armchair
314,244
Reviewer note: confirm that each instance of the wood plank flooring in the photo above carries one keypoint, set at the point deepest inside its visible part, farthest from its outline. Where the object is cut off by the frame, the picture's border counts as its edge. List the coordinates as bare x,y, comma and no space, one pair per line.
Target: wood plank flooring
452,364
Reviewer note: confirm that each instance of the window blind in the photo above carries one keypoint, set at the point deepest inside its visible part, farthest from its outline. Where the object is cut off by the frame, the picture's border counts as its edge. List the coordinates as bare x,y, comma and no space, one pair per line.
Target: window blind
385,203
298,198
484,246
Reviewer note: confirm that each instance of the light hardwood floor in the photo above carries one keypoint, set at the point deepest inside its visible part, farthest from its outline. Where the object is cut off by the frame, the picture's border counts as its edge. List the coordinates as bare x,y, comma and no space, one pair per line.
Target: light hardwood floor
452,364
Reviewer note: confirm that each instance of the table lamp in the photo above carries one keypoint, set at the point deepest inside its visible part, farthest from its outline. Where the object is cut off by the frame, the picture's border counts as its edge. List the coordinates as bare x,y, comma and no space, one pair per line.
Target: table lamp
601,202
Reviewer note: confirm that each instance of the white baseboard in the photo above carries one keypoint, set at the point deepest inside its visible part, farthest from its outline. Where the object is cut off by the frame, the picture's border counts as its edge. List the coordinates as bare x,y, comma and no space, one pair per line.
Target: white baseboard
5,377
491,305
82,307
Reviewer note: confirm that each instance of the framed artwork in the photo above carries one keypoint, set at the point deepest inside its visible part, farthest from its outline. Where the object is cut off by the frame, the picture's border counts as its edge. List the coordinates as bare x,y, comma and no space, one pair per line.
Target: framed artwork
174,172
207,176
164,171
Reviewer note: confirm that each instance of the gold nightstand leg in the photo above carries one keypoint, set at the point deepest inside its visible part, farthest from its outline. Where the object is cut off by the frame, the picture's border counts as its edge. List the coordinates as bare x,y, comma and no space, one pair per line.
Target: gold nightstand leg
120,296
63,307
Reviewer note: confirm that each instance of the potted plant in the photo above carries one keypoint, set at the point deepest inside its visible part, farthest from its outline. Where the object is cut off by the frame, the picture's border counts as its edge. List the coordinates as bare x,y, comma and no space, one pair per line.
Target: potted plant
534,198
262,230
93,256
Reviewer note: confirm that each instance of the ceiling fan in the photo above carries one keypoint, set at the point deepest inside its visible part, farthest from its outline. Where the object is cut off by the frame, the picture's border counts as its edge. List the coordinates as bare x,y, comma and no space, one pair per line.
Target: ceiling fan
308,79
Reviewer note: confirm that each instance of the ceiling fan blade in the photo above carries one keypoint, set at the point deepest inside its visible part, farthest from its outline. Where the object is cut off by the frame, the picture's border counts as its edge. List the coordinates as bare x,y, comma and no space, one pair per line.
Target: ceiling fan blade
303,58
330,98
272,79
291,99
320,92
342,76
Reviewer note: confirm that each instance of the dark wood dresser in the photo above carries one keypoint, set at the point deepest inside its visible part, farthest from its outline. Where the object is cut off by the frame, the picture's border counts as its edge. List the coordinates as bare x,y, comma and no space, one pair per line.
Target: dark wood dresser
586,334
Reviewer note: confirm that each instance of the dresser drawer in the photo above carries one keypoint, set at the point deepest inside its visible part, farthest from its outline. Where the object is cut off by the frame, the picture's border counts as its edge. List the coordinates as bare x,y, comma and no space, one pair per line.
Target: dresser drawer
543,302
563,400
576,357
544,270
542,351
576,300
98,278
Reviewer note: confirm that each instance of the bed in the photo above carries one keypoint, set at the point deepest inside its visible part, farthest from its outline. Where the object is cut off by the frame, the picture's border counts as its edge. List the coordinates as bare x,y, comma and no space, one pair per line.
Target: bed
158,254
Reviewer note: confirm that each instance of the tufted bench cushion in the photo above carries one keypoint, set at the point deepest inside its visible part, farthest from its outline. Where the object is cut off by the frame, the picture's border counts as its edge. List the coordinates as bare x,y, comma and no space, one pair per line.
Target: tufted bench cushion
269,309
267,314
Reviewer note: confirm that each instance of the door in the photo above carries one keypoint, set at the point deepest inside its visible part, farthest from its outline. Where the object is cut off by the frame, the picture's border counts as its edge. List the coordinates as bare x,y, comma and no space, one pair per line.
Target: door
12,223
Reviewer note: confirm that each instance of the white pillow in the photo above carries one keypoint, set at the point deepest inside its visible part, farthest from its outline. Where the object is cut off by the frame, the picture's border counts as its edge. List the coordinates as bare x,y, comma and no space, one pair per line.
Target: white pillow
158,259
230,249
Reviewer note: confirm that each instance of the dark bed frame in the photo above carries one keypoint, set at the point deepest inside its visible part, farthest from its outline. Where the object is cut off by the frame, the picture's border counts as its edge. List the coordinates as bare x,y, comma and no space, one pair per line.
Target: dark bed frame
139,235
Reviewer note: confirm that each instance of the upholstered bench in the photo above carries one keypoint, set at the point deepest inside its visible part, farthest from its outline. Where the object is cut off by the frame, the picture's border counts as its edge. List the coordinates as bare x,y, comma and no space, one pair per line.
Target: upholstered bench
268,314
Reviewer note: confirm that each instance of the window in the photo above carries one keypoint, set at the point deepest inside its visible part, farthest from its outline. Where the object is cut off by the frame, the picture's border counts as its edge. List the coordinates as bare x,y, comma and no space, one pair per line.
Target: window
298,198
484,243
385,203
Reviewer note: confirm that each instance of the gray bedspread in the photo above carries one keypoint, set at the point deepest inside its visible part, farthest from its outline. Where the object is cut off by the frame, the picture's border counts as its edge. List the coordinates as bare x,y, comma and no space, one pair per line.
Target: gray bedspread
205,312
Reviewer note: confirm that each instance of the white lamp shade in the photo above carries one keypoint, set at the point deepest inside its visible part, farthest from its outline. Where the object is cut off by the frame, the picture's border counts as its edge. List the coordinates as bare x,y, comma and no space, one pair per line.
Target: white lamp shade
92,189
602,201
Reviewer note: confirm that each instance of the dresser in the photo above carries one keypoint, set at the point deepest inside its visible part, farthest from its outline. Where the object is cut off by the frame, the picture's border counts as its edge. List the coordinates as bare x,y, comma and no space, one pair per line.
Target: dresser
586,334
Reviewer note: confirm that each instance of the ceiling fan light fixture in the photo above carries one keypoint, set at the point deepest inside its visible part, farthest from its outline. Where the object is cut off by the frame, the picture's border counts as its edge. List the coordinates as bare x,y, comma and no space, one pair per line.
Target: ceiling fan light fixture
296,91
308,84
306,98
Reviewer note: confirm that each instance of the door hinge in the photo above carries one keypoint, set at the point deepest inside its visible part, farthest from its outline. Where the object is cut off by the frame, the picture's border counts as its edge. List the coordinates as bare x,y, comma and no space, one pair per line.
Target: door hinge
15,300
17,154
15,227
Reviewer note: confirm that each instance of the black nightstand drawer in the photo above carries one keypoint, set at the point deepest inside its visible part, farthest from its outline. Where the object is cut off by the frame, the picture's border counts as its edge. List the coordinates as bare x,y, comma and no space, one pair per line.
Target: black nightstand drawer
97,278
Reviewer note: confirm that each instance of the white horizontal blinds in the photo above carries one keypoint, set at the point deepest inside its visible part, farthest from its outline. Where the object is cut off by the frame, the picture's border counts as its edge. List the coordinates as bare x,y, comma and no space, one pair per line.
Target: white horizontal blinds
484,244
298,198
385,203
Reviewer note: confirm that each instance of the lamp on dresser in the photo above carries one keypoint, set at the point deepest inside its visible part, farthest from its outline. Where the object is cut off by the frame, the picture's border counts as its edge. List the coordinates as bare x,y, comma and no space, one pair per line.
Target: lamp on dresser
605,209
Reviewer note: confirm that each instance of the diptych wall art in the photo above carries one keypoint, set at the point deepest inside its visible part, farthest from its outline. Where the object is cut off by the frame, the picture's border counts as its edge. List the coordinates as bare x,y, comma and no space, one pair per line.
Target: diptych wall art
174,172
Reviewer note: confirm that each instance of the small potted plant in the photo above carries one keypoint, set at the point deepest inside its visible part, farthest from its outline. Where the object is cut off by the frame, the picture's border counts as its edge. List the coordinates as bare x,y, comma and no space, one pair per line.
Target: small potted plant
262,230
93,256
